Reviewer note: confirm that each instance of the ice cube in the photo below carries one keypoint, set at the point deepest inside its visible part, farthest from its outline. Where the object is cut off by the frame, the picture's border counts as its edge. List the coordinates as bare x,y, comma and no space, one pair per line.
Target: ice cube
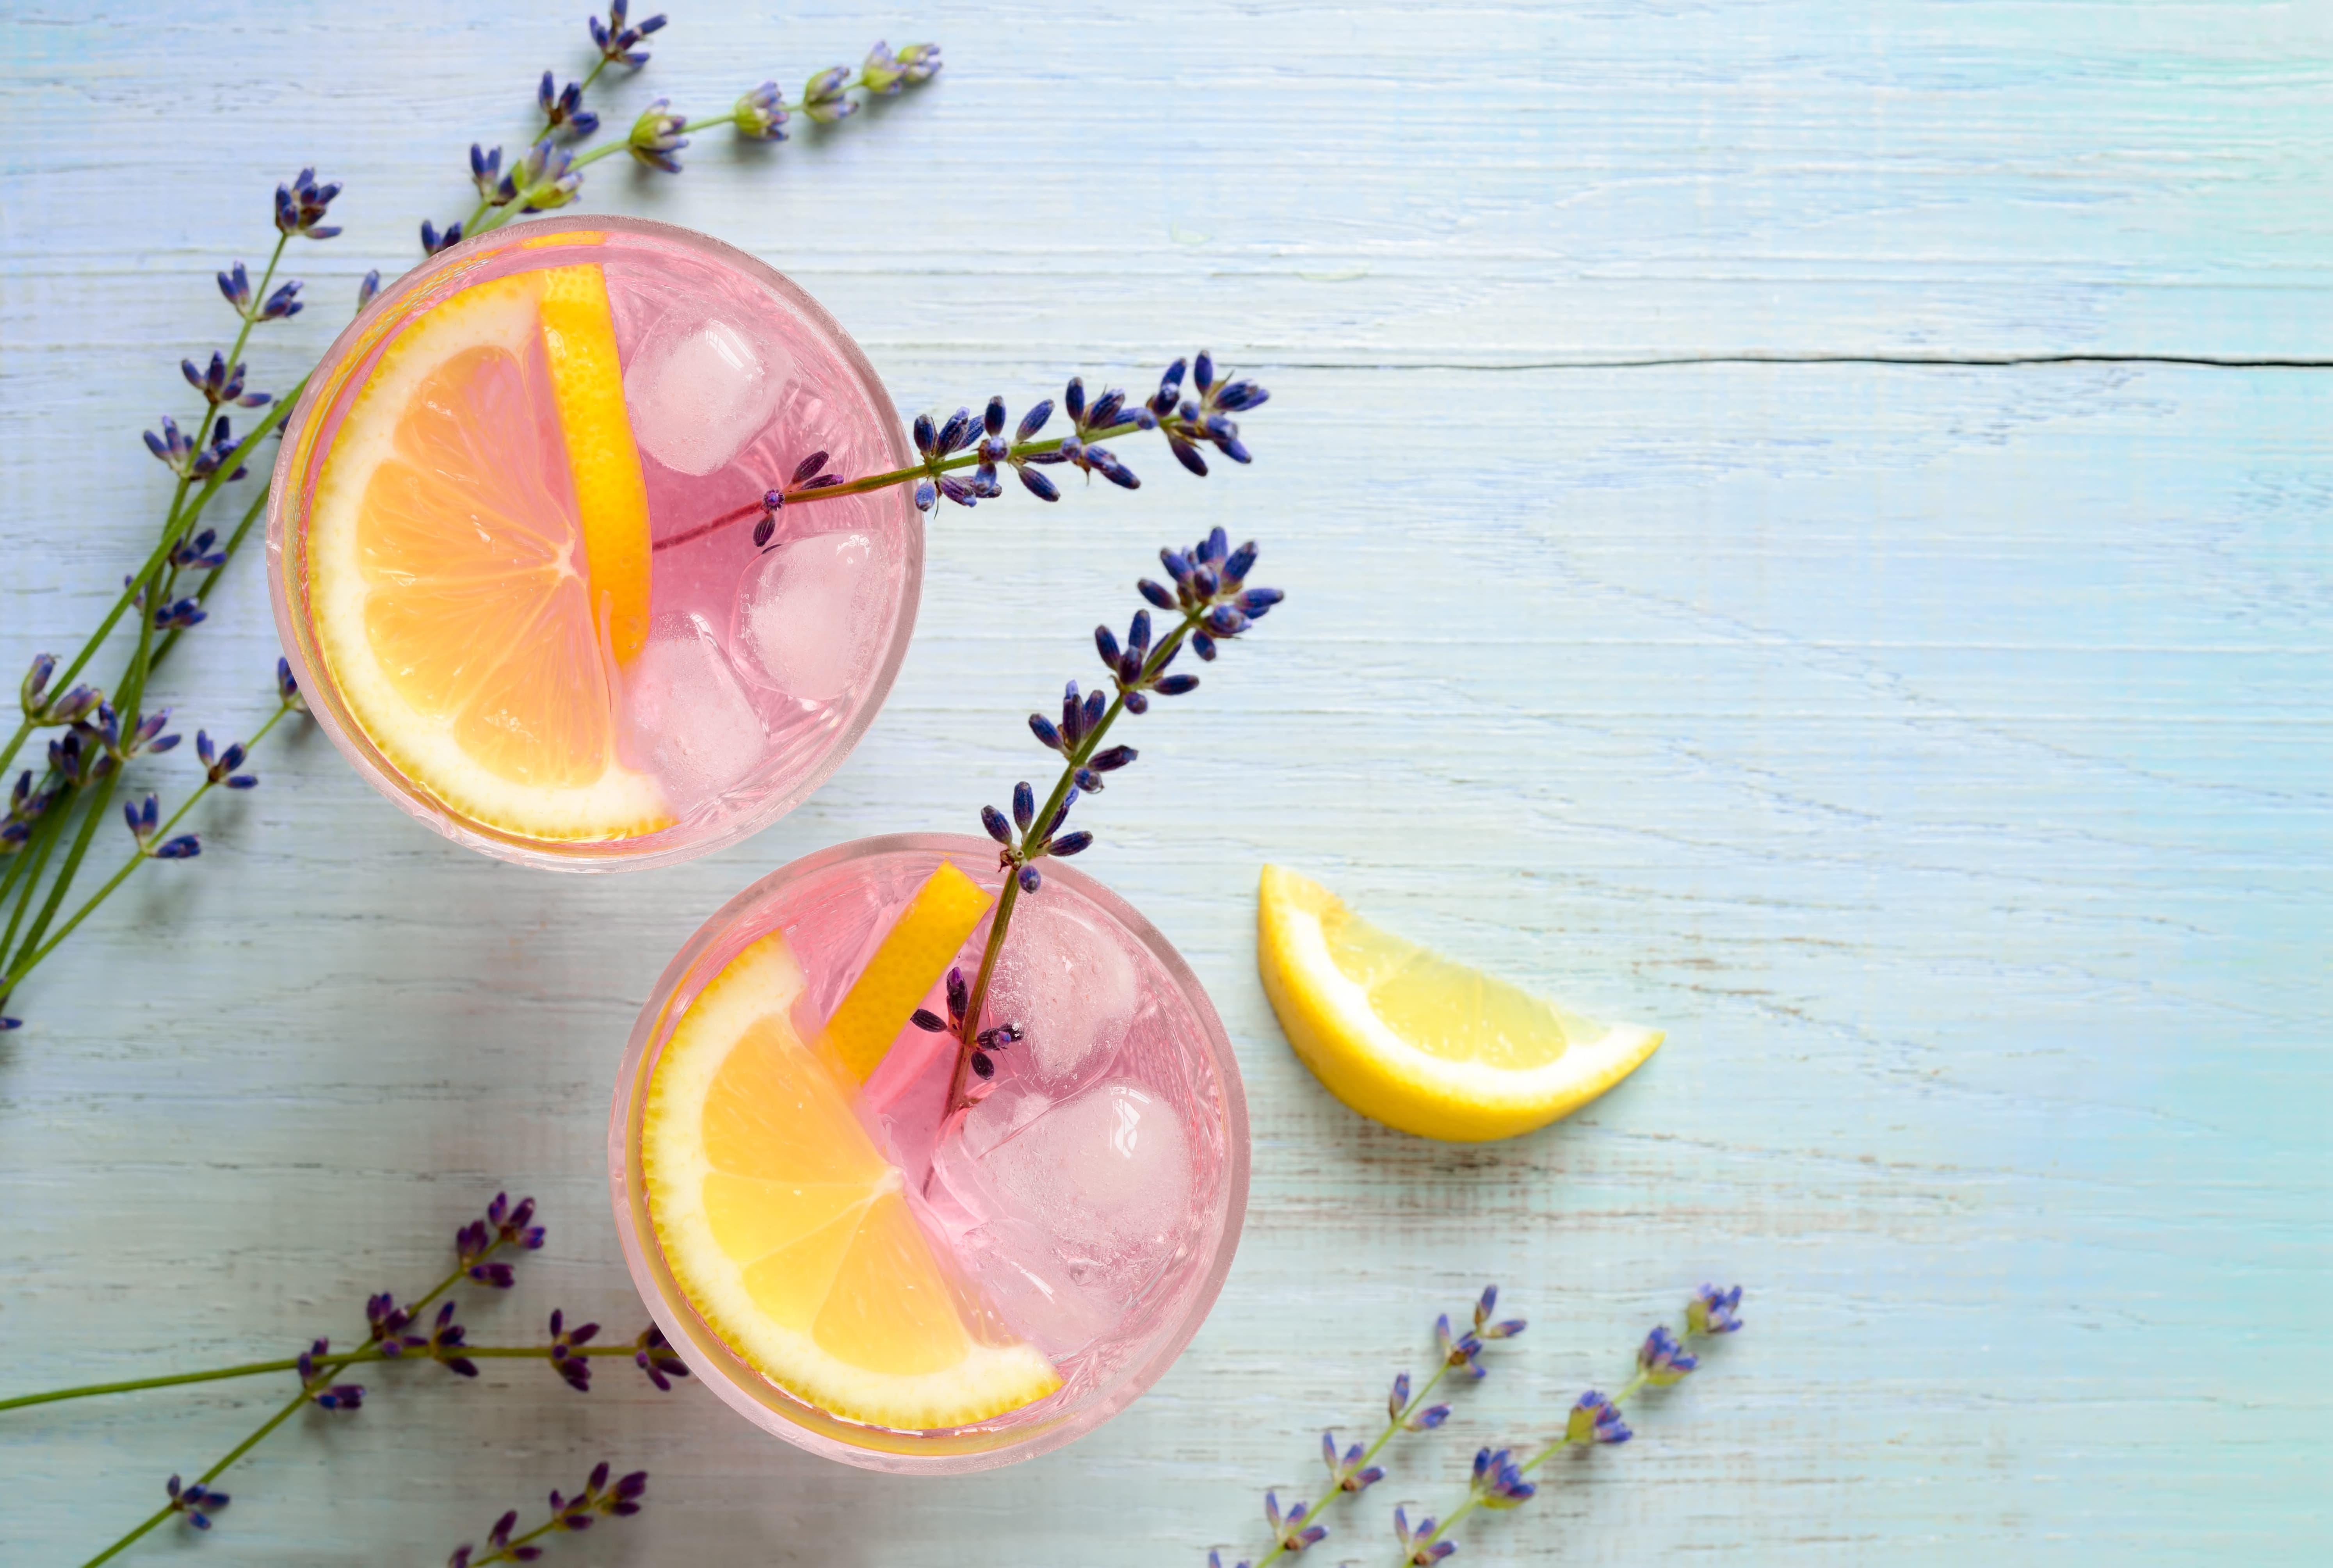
1070,983
687,717
696,396
1107,1176
807,614
1019,1270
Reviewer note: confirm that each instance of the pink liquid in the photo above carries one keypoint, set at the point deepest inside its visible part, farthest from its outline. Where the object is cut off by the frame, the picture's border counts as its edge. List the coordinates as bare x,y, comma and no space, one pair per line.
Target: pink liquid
1090,1199
763,665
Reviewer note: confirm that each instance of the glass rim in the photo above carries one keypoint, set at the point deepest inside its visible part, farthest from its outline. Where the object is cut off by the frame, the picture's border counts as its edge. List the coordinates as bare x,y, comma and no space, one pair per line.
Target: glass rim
736,1382
287,511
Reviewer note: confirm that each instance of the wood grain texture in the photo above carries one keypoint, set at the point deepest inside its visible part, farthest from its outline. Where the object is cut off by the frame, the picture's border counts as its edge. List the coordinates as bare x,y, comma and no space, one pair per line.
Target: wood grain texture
1940,754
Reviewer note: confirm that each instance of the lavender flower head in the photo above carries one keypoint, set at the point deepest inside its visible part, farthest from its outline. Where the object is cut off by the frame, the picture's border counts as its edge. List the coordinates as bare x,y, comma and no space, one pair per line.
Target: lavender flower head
1711,1310
300,207
562,109
1346,1473
1289,1529
657,136
653,1355
566,1343
616,42
1458,1351
197,1503
328,1396
1596,1419
1499,1481
1663,1359
1484,1327
1418,1547
760,114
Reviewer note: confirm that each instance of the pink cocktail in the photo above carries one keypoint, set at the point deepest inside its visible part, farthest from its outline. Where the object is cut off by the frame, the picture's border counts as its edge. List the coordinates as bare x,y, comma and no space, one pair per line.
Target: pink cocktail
1079,1216
548,553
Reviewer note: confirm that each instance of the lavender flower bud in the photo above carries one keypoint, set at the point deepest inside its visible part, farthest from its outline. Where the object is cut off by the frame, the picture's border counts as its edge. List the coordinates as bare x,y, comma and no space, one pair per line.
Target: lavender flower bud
1175,685
657,135
1043,728
823,98
760,114
1711,1310
1595,1419
1157,593
1029,881
1034,421
300,207
1025,805
1070,843
1663,1359
998,828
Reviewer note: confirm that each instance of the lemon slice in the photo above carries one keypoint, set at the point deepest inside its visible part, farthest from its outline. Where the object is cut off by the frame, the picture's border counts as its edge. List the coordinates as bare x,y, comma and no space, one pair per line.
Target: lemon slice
914,953
788,1231
1405,1037
478,559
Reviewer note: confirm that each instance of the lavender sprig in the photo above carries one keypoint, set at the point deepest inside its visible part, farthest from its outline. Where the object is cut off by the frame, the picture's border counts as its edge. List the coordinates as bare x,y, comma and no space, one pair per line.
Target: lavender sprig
50,826
965,441
1595,1420
550,173
1353,1471
597,1500
1214,604
483,1250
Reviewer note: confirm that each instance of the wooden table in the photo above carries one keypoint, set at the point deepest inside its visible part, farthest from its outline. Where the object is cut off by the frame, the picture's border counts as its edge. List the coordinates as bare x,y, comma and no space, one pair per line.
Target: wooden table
1773,549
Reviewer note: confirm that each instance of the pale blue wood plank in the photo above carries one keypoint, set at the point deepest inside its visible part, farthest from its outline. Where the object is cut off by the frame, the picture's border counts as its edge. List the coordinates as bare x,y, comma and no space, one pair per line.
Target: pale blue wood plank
1941,755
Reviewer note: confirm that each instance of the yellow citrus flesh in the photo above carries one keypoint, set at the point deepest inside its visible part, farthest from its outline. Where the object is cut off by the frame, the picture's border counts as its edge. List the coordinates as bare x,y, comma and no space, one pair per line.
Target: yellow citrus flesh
579,336
1409,1038
914,953
455,599
790,1233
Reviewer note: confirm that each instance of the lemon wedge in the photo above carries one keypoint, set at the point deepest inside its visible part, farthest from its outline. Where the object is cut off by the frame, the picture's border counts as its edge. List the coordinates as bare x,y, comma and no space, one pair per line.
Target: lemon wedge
790,1233
1407,1037
914,953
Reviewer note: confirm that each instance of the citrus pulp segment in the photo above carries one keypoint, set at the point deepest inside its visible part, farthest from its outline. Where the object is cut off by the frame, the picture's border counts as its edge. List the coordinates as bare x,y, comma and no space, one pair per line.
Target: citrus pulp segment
790,1233
1409,1038
453,595
914,953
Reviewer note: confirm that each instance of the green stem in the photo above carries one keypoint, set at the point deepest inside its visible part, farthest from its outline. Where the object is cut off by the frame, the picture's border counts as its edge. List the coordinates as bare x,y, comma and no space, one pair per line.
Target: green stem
24,966
127,699
92,1391
100,797
1039,832
334,1364
35,854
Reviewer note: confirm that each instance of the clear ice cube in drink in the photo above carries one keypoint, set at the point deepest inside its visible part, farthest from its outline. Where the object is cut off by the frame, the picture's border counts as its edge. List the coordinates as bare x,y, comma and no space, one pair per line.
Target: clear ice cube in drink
698,394
802,616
